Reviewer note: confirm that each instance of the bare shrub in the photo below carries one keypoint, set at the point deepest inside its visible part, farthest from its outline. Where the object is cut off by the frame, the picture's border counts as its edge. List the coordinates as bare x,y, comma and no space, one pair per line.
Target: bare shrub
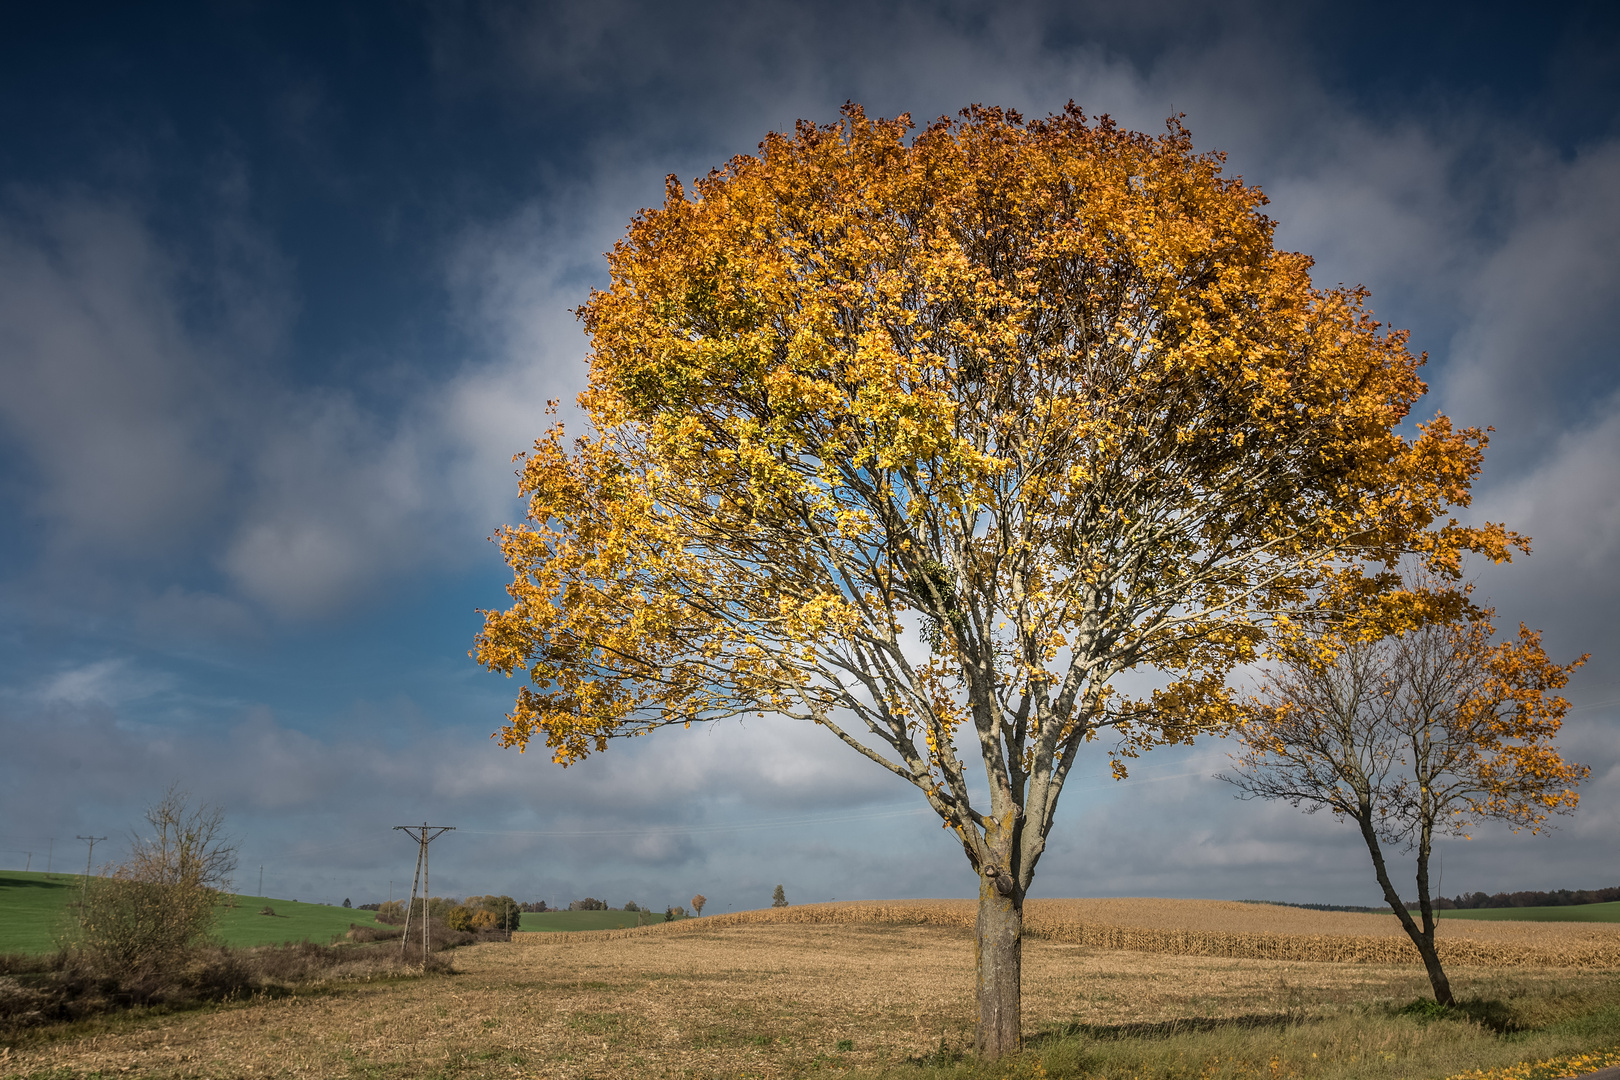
71,985
149,911
366,934
440,937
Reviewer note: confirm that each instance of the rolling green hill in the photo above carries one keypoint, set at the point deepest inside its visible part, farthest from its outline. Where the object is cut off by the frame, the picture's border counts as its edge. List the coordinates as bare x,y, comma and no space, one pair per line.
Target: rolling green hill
1609,912
36,912
553,921
34,909
292,921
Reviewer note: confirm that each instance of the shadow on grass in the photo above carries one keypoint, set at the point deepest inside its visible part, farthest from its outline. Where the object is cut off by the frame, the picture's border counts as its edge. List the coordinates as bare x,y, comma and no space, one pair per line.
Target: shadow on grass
1493,1014
1164,1029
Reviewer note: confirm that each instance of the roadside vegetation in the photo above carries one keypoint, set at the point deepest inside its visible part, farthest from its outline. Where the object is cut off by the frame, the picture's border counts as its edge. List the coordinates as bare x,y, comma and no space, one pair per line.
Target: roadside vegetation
562,921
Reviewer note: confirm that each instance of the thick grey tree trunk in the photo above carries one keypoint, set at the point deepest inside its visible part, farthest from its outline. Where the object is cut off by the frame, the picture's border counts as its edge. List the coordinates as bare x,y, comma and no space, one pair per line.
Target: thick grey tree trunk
998,954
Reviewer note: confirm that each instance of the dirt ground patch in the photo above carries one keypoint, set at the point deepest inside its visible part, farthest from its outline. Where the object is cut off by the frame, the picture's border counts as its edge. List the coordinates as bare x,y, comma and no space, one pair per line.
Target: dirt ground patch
760,1001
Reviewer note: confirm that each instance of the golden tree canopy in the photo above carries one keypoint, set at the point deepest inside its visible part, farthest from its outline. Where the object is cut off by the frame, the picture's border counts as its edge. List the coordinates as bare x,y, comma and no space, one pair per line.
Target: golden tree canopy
928,439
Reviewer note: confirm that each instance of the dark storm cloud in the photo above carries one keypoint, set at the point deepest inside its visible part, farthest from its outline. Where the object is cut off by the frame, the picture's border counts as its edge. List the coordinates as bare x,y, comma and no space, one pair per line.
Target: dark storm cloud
239,433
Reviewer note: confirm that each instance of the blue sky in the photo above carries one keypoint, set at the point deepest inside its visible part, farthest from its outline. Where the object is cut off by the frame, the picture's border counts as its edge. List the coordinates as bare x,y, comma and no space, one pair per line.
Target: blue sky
284,287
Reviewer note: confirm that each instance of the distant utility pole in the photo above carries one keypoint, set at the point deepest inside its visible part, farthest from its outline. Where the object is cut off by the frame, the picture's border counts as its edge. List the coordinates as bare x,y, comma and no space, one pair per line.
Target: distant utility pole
84,892
424,835
261,879
50,848
30,861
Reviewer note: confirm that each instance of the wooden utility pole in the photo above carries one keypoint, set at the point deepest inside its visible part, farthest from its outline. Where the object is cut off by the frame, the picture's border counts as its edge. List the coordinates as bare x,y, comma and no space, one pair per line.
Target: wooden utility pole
84,892
424,834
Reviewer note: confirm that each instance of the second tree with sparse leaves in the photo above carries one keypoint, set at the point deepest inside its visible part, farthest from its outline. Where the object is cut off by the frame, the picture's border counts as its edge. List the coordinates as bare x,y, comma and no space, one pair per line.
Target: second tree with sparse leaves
1414,737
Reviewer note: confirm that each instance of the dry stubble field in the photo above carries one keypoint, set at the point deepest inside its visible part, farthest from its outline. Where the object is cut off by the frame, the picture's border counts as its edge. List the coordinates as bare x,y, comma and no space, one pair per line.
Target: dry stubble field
756,998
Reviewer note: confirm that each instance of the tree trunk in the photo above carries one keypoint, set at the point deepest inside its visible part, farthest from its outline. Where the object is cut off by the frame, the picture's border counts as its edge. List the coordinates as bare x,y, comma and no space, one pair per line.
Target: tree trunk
1423,937
998,955
1437,976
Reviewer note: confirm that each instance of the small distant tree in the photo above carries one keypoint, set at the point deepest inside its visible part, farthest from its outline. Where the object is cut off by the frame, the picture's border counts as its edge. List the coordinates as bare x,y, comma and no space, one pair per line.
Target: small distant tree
697,903
779,898
346,902
588,904
505,912
391,912
159,904
631,906
1421,735
460,917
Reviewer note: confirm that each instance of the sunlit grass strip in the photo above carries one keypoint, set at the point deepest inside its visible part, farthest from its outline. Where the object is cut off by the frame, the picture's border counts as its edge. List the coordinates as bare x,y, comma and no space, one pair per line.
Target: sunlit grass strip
1056,920
1549,1069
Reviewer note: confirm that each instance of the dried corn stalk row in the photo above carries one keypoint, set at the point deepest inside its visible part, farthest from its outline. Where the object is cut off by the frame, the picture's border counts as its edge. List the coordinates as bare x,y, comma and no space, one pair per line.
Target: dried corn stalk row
1487,945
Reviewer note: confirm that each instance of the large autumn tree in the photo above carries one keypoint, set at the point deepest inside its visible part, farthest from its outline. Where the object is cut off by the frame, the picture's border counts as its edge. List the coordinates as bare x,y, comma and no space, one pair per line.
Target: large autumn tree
928,439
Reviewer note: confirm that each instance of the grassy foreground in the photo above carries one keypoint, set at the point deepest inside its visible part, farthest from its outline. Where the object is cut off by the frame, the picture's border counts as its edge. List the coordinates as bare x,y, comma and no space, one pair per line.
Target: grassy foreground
36,912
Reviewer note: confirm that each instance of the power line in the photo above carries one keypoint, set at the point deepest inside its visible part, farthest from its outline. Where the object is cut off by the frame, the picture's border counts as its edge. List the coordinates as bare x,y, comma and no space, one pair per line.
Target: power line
84,893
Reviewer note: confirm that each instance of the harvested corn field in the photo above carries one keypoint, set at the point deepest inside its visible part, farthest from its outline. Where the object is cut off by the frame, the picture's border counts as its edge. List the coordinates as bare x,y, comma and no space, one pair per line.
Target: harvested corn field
768,1001
1225,928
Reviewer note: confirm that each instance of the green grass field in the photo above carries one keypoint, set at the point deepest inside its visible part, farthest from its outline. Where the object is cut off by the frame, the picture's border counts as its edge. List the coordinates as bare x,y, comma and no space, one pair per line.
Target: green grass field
552,921
34,909
36,912
1573,913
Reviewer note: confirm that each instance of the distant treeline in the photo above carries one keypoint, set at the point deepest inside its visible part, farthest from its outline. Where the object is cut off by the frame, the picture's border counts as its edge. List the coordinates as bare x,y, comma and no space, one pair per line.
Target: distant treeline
1468,901
1560,898
1324,907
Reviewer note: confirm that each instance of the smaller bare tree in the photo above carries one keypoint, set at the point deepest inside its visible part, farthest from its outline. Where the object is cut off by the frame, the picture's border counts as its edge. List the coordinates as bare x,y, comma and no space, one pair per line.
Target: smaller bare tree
160,902
697,903
1420,735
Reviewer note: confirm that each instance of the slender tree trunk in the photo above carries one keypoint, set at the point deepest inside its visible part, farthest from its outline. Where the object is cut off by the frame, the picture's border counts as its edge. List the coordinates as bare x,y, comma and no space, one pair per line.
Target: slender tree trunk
1422,937
998,954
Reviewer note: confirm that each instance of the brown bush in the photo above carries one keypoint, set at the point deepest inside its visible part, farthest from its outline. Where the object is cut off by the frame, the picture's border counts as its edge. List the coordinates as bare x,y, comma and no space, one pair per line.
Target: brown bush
365,934
440,937
391,912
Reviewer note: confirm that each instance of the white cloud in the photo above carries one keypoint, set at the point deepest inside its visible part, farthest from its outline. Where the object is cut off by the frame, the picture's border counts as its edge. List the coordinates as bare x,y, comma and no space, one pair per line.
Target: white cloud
103,682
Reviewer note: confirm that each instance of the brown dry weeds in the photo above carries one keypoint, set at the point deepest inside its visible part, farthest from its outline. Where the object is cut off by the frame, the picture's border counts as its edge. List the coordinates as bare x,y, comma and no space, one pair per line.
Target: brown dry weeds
757,1000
